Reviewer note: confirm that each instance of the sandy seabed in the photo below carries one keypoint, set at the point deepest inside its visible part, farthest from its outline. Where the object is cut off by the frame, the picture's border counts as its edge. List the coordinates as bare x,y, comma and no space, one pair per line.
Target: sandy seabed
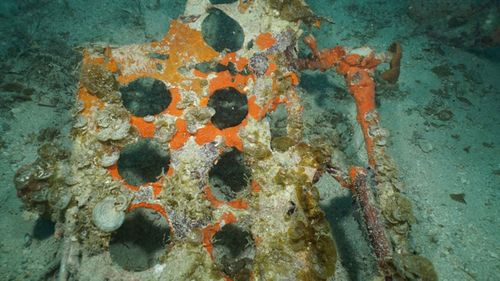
443,117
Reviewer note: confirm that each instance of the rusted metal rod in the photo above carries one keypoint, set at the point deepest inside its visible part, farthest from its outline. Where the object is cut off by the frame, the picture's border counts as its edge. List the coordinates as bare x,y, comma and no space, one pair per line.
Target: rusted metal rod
358,182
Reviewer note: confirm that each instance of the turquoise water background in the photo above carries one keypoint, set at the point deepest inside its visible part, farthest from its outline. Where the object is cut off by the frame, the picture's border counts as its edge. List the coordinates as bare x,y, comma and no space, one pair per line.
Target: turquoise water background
443,116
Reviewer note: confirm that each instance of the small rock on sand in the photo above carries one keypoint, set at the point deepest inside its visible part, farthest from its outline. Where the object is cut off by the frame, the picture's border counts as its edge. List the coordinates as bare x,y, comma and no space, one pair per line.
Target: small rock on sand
425,145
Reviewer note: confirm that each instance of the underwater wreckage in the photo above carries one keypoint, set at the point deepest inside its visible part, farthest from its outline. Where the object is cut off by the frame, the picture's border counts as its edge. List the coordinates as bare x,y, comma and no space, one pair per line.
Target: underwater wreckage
174,174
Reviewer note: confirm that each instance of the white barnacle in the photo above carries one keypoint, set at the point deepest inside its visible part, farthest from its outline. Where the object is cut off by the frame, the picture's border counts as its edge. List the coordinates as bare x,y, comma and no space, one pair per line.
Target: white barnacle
165,128
114,123
108,160
108,215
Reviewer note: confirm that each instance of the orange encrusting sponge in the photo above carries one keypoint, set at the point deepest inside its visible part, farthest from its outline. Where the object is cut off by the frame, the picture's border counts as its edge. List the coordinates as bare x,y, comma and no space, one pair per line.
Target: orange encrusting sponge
357,71
265,41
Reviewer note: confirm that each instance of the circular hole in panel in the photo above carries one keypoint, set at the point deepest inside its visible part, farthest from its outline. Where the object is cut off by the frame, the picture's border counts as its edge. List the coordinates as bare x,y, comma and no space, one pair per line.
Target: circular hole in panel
43,229
141,240
234,251
229,177
231,107
142,162
145,96
221,32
